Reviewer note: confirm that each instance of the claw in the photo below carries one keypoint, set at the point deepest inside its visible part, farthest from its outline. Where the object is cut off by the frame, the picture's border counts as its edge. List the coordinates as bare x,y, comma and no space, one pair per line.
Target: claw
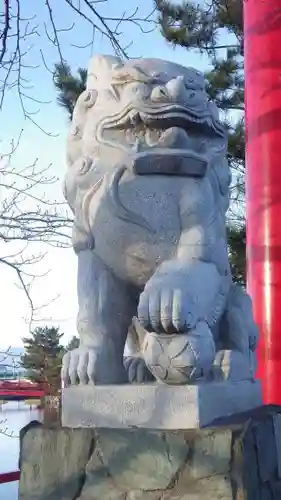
65,369
137,370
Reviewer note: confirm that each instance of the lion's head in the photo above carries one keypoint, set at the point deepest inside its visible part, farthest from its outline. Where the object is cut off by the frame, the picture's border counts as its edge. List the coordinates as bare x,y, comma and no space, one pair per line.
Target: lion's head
150,117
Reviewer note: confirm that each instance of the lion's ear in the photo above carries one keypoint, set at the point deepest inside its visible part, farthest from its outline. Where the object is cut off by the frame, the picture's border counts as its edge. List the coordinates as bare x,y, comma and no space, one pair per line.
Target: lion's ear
88,98
99,69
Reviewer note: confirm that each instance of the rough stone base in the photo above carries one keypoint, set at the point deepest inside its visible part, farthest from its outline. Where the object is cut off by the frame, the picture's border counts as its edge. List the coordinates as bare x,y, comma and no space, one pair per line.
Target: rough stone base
156,406
233,462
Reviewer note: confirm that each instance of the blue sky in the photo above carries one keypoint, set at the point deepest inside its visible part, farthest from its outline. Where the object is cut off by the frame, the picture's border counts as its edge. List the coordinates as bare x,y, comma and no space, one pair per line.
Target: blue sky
61,263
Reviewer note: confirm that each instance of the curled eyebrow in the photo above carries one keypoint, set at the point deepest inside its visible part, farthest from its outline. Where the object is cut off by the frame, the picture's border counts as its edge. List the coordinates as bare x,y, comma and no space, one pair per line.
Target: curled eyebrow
134,74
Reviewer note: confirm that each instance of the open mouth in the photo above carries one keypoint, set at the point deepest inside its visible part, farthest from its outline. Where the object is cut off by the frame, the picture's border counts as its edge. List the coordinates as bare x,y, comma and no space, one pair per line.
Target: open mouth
169,127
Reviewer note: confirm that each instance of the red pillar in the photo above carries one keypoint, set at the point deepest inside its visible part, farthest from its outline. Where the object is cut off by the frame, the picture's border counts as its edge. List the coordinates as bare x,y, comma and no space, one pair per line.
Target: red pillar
262,32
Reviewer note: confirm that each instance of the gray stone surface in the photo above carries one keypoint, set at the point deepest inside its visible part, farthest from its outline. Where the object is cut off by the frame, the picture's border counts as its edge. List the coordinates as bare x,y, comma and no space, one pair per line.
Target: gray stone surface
156,406
227,463
132,460
148,182
53,463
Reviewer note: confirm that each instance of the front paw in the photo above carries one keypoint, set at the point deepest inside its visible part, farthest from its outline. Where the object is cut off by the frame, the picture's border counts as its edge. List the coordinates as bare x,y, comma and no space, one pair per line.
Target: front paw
231,365
166,307
79,366
137,370
88,365
179,295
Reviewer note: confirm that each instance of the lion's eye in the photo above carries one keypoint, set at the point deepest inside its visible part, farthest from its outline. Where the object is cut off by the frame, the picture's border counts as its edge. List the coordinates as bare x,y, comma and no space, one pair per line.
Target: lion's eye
159,78
191,94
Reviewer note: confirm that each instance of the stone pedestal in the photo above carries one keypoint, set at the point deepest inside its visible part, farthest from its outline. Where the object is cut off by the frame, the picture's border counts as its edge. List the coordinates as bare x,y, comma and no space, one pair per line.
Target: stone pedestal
156,406
239,459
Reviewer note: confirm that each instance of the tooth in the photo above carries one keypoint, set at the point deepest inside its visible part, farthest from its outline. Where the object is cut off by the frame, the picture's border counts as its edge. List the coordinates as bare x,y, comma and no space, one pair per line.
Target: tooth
135,118
148,138
137,144
129,137
152,137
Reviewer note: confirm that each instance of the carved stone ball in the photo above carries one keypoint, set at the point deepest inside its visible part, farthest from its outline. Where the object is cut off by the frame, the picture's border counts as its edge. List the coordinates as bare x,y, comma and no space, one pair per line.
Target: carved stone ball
180,358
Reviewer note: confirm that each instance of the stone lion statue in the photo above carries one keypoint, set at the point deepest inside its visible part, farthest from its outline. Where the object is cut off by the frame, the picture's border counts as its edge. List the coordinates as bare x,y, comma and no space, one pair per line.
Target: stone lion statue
148,183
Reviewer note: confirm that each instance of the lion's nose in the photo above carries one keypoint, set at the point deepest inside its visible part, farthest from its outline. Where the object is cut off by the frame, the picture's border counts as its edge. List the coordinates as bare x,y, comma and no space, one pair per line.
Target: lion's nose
176,87
173,90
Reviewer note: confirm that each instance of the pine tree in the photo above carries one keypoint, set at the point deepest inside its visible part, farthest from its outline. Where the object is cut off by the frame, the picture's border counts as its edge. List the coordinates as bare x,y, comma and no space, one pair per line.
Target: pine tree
73,343
205,28
69,87
43,356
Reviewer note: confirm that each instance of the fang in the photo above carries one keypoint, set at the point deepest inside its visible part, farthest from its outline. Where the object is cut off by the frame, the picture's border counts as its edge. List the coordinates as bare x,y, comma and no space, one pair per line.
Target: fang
135,119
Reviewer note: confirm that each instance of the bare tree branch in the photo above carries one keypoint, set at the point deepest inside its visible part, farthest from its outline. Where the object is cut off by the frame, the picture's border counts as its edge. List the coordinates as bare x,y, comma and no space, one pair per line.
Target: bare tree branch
4,430
20,34
4,34
27,217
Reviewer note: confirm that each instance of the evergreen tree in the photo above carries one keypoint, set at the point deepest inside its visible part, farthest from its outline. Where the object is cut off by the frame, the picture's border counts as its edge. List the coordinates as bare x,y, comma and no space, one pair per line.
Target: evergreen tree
205,28
73,343
69,87
43,356
237,245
